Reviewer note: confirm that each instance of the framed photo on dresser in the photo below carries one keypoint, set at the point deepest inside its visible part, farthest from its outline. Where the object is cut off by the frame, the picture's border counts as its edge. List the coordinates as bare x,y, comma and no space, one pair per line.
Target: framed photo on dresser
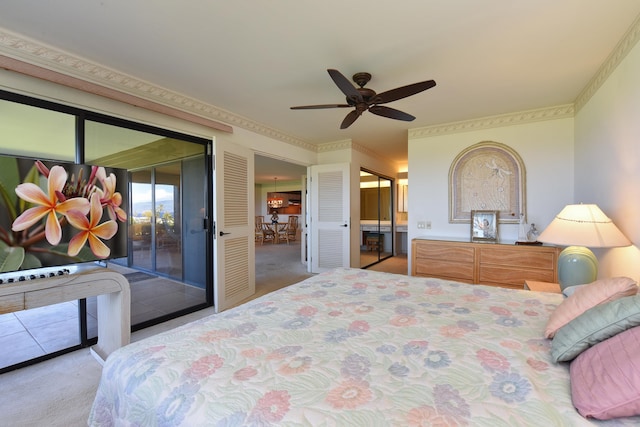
484,226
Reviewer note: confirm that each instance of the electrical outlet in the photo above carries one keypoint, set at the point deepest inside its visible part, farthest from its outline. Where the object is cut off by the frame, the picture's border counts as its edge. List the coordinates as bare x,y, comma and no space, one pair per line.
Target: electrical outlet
428,225
422,225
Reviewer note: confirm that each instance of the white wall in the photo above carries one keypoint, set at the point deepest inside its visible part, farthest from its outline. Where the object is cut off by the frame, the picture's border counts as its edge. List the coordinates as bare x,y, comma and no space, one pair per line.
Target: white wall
607,160
546,148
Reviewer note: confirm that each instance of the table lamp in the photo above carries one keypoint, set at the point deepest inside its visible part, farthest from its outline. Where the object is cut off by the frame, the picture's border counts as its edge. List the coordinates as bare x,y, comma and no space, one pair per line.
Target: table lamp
578,227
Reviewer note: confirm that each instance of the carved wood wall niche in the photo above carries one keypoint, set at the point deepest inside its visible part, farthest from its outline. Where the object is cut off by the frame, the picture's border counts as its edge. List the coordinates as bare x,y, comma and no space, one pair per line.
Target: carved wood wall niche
487,176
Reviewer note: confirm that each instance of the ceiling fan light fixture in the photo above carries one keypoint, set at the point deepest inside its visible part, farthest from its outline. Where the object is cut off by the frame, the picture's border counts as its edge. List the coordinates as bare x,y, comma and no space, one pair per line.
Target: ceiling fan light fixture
363,99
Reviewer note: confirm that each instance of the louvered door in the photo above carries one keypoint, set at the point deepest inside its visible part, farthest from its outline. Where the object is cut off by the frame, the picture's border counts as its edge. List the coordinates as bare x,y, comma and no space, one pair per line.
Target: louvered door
234,254
329,217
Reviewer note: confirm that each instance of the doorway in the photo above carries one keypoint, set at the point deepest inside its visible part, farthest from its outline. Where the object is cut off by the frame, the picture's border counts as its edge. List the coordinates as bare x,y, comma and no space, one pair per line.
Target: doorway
279,264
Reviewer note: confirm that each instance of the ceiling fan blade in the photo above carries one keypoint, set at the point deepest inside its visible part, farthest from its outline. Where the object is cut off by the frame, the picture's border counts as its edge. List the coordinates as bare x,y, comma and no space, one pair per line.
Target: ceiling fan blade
391,113
349,119
315,107
402,92
345,85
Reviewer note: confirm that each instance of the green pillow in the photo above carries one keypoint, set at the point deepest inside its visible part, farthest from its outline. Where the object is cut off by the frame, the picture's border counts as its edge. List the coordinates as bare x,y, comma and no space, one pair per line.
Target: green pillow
594,325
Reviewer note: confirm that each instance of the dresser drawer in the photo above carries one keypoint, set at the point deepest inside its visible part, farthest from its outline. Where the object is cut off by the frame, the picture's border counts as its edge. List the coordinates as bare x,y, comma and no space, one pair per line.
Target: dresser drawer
445,269
513,276
445,252
516,258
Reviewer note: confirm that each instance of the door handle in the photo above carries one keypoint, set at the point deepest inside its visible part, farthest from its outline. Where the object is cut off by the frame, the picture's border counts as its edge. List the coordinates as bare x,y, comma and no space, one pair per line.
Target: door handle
344,225
222,233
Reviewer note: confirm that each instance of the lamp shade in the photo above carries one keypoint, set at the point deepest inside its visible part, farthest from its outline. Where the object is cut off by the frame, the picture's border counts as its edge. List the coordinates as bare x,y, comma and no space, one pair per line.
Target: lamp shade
583,225
579,226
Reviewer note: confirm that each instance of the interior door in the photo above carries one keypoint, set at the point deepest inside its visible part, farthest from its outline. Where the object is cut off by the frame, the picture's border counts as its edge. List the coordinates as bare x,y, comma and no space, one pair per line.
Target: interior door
329,221
234,252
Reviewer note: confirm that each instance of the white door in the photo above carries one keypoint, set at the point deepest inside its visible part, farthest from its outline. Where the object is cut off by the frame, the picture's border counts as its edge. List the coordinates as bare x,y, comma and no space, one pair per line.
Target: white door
329,220
234,251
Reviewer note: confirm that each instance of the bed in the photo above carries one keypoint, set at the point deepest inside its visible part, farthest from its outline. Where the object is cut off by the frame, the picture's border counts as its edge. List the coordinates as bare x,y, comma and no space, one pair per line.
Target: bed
350,347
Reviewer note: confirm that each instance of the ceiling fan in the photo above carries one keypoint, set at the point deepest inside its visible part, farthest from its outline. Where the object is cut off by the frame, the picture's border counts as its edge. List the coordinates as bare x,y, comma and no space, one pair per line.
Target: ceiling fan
364,99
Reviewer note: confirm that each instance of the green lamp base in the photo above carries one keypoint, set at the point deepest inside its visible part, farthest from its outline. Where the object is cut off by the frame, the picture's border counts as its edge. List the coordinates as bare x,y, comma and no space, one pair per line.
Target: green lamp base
577,265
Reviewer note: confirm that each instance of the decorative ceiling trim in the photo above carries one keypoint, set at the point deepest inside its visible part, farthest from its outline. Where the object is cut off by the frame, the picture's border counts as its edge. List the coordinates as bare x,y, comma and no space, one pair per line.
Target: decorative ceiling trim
625,45
107,82
522,117
343,144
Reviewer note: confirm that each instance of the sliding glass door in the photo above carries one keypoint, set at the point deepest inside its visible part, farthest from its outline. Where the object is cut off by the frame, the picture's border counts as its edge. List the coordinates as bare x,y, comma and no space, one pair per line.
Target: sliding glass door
168,200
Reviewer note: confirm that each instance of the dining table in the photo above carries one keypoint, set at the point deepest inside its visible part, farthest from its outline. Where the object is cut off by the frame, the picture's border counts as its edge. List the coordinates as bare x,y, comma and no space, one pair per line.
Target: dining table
276,228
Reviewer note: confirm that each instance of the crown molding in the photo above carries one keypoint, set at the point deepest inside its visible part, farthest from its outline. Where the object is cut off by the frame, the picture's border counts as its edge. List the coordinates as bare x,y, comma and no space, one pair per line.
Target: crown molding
30,52
522,117
343,144
623,48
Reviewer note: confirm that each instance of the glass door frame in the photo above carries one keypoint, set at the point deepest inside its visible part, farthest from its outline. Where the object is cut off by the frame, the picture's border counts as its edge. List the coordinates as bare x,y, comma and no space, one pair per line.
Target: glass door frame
378,226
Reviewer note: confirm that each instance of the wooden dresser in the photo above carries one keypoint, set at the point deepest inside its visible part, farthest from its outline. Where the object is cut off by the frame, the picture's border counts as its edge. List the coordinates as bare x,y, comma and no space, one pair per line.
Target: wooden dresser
496,264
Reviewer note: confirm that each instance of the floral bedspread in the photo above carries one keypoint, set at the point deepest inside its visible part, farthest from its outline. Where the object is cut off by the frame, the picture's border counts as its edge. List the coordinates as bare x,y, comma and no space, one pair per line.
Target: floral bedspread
349,348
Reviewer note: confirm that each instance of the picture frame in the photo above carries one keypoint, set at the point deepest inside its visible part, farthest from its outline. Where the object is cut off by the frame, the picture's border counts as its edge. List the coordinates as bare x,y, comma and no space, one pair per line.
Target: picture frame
484,225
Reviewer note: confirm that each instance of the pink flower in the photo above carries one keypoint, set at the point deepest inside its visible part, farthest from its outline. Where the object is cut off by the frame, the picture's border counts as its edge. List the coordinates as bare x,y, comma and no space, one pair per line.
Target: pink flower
90,229
349,395
244,374
109,197
403,321
513,345
492,361
452,331
429,416
49,205
307,311
359,326
252,353
500,311
205,366
364,309
538,365
272,407
297,365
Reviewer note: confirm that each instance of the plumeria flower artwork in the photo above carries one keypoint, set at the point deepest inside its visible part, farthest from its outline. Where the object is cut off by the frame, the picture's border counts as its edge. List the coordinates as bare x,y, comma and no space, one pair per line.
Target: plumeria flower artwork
44,205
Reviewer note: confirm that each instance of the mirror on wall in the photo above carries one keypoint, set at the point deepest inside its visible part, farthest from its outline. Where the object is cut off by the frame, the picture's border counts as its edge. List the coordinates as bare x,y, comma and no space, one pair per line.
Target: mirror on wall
376,218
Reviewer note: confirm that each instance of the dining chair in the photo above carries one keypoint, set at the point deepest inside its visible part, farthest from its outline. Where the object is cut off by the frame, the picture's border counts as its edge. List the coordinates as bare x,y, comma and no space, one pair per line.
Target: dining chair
259,235
283,232
292,228
268,234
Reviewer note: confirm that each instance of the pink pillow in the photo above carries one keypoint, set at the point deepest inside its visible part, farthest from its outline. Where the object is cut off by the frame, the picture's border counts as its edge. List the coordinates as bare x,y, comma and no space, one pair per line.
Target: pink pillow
603,290
605,379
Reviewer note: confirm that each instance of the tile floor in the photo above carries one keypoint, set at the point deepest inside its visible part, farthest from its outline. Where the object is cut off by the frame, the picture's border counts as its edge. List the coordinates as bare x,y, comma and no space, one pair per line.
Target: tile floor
40,331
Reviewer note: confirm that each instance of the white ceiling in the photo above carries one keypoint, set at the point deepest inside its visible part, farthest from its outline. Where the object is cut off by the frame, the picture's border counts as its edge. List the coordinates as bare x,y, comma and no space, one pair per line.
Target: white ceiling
258,58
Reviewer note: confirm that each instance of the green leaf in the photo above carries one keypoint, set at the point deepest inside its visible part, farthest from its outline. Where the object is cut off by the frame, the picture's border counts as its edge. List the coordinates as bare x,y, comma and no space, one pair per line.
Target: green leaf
85,253
9,180
31,261
11,257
